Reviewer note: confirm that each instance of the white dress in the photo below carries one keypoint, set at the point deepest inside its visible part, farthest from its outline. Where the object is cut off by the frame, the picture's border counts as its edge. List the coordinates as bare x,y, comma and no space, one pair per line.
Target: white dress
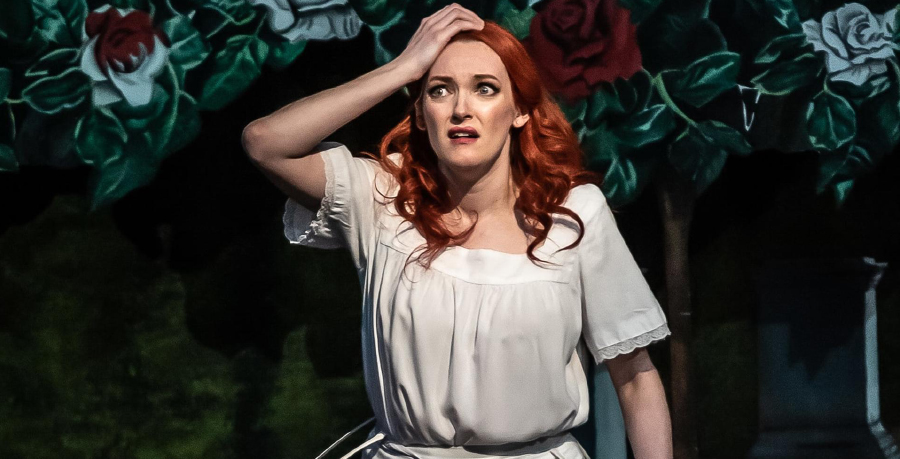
479,356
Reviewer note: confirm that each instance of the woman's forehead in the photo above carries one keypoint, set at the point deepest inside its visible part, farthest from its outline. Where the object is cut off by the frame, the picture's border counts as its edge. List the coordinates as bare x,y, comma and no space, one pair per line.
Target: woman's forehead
464,59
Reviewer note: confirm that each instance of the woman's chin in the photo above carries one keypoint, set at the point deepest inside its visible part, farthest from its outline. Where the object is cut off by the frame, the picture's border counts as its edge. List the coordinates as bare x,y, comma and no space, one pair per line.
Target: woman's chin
464,157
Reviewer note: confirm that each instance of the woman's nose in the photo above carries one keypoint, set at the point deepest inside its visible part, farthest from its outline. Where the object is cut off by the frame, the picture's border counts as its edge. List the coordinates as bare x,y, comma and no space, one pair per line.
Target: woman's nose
461,107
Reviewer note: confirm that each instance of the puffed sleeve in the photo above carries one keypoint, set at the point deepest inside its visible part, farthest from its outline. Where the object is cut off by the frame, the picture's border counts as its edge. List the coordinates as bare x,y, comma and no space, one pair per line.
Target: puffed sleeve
346,216
620,312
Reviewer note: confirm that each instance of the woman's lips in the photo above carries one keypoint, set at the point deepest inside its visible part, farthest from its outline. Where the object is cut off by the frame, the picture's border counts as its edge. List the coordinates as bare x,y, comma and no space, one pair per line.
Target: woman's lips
462,135
462,140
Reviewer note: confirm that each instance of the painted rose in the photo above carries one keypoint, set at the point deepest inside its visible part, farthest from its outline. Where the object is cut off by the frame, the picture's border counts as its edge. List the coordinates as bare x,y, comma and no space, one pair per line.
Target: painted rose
857,43
581,43
122,53
298,20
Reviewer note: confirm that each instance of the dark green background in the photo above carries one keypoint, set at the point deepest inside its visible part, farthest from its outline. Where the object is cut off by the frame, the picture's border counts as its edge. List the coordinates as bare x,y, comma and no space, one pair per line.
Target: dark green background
179,323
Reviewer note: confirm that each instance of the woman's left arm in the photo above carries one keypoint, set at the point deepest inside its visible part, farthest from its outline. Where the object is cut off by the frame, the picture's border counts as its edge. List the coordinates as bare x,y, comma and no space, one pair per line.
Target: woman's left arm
643,402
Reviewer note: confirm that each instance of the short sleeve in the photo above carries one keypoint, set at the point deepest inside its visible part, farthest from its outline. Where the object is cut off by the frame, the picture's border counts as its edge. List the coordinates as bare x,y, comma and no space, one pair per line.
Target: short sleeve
346,216
620,312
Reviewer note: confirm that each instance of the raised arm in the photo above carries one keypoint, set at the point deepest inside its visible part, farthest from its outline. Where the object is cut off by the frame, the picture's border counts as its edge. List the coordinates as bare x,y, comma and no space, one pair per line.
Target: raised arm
281,144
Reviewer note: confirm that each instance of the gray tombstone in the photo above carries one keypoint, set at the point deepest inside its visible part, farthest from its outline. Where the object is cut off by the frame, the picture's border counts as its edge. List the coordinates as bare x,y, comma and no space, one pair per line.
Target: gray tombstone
818,361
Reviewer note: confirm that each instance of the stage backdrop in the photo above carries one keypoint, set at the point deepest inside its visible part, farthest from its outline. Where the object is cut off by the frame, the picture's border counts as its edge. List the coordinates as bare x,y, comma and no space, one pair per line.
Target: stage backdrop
151,308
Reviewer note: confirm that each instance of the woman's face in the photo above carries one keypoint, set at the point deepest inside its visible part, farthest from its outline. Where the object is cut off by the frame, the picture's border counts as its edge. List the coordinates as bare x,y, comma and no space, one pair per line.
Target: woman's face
467,107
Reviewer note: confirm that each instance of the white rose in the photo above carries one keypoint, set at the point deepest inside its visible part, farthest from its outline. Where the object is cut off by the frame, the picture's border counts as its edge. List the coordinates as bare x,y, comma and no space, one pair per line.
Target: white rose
857,43
298,20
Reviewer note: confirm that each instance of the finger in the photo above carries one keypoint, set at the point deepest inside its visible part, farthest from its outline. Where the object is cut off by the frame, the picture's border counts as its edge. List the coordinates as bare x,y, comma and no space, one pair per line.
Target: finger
437,23
427,21
468,13
440,14
455,15
457,26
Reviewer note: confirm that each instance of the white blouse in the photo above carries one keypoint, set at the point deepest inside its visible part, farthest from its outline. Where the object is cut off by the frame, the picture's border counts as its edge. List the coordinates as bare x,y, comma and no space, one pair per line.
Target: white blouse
483,348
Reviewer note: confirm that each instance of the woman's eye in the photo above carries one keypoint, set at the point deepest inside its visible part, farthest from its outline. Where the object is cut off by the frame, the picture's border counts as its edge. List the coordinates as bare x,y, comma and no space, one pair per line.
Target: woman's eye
437,91
486,89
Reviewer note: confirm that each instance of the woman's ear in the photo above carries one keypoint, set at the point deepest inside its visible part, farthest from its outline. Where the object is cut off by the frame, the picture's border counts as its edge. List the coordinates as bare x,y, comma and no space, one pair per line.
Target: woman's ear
520,120
417,116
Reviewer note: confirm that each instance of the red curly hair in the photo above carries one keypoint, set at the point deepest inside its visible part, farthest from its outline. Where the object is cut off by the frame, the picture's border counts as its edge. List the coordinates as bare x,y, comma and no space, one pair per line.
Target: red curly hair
545,157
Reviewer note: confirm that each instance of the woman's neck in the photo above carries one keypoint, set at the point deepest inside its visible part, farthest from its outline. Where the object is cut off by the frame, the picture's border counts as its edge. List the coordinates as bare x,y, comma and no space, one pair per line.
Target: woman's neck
487,193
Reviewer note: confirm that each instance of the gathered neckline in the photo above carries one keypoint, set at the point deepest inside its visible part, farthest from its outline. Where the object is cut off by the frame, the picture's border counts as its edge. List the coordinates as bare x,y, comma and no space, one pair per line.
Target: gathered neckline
491,251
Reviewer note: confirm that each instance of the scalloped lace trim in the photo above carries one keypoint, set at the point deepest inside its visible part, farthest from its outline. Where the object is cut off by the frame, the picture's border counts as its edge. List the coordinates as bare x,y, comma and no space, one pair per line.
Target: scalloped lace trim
316,227
631,344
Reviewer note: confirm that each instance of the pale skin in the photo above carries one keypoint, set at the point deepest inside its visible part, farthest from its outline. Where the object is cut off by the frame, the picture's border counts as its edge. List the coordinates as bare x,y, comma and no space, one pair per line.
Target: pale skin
466,86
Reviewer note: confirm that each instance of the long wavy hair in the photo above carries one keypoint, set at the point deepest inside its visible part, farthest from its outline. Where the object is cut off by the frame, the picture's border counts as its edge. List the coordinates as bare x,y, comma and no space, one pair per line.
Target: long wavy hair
545,157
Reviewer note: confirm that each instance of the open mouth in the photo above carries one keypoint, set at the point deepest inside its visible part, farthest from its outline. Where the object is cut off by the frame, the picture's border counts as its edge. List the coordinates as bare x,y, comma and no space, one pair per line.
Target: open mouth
462,133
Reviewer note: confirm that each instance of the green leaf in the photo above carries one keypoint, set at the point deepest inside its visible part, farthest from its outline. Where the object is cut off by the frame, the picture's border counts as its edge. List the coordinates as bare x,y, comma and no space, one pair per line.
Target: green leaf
236,66
620,182
725,136
859,94
138,118
783,47
640,9
126,144
517,22
574,113
604,101
647,126
61,21
878,122
601,147
627,177
284,53
54,94
101,141
573,110
188,122
783,11
643,88
188,48
839,169
697,157
895,27
149,127
391,38
785,77
235,12
378,12
54,63
8,161
119,175
5,83
785,14
830,120
705,79
98,134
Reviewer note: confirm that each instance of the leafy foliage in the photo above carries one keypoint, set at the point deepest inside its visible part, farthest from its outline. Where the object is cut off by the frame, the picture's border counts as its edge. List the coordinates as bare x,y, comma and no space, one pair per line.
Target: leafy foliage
218,48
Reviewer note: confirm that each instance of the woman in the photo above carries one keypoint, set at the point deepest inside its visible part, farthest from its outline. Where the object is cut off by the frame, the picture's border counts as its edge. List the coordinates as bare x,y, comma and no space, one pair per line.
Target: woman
487,261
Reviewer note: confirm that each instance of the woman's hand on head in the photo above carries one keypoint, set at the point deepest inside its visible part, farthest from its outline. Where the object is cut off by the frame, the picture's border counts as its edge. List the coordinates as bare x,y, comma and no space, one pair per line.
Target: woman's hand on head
433,34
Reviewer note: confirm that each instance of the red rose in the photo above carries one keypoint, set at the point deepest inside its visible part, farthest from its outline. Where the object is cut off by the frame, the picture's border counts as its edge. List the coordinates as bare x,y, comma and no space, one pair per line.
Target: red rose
123,53
120,37
580,43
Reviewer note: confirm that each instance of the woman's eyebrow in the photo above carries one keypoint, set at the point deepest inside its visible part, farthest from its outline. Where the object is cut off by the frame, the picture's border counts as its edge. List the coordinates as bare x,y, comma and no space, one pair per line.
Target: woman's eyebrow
480,76
440,78
483,76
